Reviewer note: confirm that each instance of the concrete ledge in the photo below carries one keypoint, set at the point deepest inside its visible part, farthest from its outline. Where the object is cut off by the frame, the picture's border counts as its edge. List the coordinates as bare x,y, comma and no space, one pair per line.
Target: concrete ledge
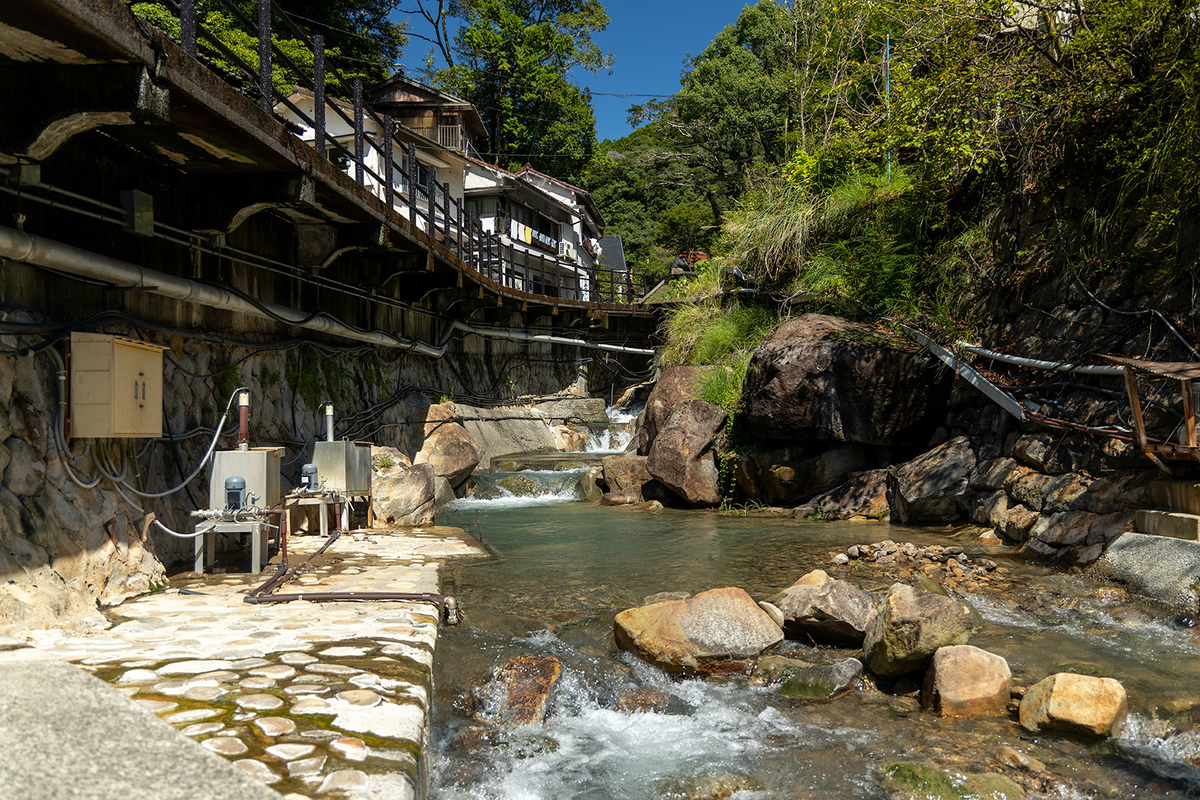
65,733
1159,567
1175,524
1176,495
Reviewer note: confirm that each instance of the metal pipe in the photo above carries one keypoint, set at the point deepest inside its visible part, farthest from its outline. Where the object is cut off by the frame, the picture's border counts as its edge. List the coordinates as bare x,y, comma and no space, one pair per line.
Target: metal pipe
445,603
243,440
329,420
522,336
1050,366
42,252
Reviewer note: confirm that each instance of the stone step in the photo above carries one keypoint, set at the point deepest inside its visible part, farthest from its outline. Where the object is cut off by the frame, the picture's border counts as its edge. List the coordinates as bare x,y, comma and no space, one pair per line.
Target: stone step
1167,523
1182,496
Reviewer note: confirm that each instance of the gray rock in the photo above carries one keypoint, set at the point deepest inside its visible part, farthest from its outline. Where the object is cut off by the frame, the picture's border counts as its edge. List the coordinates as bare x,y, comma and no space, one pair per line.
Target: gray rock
695,635
836,612
933,487
909,628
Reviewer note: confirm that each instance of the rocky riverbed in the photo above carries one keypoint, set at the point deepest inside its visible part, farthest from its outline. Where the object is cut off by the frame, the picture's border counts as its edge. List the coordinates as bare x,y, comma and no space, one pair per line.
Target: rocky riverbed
986,711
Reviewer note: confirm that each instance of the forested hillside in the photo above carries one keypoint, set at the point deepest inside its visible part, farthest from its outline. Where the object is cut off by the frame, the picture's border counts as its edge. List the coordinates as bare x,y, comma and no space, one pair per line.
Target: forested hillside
914,160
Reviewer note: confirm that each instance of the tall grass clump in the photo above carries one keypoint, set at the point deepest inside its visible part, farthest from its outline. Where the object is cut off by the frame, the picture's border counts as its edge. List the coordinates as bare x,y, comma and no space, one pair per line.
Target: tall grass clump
723,338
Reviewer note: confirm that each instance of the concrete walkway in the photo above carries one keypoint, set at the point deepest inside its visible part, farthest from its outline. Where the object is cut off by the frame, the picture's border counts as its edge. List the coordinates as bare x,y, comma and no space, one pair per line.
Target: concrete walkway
66,734
311,699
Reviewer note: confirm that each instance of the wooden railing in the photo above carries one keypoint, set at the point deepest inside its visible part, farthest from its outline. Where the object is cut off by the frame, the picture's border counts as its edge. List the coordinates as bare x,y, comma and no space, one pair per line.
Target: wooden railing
429,206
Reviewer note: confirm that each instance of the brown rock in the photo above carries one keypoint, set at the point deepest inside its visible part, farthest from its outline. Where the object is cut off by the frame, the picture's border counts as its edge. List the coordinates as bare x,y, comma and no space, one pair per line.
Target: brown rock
695,635
825,378
405,497
644,701
681,457
964,681
1078,704
518,692
624,497
675,386
864,495
624,472
447,446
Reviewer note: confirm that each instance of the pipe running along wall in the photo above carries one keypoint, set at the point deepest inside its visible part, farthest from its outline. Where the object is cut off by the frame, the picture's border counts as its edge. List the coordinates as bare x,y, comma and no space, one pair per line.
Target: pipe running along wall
42,252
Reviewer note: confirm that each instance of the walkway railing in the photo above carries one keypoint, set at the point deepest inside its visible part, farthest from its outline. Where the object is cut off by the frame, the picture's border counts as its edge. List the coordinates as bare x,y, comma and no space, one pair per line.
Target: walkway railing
429,206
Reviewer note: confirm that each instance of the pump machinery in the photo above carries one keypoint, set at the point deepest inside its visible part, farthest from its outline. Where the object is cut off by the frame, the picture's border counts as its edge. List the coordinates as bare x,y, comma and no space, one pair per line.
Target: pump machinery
244,490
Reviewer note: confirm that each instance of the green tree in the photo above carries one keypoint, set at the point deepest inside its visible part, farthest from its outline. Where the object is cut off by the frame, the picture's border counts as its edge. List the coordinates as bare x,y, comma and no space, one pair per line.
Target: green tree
360,41
511,58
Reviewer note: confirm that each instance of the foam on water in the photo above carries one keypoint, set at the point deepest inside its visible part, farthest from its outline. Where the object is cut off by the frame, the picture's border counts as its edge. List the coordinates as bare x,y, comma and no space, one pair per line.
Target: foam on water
614,441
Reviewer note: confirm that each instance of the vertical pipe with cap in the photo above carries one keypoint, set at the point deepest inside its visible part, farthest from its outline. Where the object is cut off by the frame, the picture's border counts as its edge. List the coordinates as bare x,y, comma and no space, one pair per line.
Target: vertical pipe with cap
328,420
244,421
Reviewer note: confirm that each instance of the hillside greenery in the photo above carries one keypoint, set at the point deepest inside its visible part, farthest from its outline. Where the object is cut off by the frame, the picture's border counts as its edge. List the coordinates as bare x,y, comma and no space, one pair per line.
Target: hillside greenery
866,157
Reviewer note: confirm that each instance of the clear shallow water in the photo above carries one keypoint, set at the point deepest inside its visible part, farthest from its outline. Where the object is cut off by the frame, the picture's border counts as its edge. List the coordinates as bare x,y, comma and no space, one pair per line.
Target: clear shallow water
565,569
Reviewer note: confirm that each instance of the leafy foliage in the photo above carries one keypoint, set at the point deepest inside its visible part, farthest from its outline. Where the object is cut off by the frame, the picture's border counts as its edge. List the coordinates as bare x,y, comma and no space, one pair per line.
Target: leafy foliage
512,60
361,42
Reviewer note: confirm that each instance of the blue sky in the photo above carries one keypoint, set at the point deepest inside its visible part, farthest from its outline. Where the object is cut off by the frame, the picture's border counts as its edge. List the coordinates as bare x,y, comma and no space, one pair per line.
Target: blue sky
649,40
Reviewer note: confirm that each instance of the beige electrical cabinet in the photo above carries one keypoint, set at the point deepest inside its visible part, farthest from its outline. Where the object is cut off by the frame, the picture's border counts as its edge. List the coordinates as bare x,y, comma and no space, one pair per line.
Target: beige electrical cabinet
116,387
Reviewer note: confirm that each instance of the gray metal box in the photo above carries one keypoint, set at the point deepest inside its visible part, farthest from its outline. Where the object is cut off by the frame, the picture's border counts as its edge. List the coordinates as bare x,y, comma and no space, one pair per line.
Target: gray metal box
260,466
344,466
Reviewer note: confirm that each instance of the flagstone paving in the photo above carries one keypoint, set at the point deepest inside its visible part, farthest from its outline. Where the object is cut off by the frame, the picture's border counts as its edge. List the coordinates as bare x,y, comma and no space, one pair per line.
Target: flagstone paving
310,698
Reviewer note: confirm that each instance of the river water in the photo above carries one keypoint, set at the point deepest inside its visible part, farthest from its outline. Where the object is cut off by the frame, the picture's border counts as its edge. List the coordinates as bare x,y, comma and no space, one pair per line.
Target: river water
563,570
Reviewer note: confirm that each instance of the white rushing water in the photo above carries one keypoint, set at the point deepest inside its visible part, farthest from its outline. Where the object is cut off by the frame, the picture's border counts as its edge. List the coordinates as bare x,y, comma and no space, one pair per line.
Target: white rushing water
585,749
615,440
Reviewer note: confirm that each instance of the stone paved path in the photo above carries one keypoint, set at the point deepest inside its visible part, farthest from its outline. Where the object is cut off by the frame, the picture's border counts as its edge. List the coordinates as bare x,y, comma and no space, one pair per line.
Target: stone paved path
312,699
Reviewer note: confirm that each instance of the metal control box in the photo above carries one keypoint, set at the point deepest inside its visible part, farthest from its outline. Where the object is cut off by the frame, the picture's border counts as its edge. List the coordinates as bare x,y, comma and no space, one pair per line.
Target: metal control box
116,387
260,466
344,466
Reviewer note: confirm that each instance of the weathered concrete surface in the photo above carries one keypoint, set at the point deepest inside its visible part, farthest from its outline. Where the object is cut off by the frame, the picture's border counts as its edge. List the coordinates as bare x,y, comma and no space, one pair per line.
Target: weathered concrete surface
67,734
287,690
1159,567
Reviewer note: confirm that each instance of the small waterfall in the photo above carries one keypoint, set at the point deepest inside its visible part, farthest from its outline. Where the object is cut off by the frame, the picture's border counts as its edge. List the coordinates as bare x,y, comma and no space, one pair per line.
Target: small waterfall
520,489
616,437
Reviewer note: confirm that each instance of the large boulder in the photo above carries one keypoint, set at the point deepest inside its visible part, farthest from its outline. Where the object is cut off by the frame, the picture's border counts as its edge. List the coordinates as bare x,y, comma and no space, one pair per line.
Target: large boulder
825,378
518,691
935,486
696,634
405,497
682,457
624,471
836,612
910,627
448,448
1078,704
675,386
787,475
964,681
864,495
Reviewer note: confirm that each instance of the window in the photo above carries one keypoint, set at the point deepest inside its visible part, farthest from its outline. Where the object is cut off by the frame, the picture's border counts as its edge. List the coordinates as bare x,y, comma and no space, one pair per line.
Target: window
484,207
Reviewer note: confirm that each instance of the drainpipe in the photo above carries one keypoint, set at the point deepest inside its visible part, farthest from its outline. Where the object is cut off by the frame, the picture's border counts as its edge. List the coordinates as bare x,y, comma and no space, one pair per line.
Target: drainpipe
1034,363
